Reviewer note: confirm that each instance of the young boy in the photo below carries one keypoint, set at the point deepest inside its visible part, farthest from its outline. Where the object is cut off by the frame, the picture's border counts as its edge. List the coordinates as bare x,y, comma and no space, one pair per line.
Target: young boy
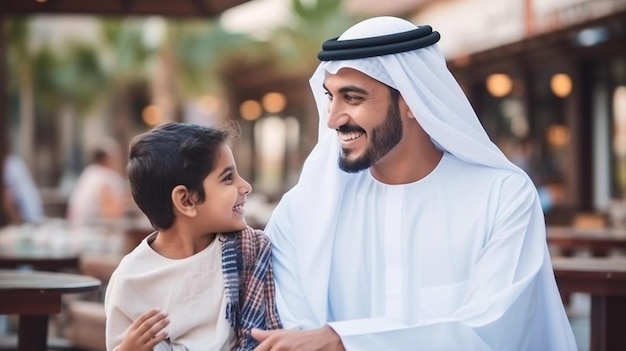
203,279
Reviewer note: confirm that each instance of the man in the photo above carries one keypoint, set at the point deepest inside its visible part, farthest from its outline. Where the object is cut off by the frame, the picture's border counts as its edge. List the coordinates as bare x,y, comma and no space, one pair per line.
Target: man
20,197
425,237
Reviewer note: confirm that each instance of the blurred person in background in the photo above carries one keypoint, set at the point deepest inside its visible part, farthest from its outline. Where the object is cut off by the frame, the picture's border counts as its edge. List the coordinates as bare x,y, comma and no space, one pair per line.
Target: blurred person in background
21,199
101,195
409,229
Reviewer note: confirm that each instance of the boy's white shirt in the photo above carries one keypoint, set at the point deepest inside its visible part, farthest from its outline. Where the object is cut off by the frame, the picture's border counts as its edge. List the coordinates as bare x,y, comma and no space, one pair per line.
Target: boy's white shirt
190,290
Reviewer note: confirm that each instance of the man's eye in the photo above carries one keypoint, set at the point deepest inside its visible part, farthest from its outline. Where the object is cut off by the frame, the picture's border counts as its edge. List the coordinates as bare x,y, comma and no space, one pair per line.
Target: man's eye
353,98
330,97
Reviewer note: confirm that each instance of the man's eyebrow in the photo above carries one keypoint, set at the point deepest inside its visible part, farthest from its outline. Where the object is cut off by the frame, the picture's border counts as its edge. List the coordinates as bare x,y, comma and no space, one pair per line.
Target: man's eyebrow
349,89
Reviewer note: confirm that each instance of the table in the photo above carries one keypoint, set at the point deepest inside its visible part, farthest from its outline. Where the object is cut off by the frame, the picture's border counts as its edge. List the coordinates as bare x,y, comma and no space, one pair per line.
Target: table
34,296
39,259
48,247
605,280
599,241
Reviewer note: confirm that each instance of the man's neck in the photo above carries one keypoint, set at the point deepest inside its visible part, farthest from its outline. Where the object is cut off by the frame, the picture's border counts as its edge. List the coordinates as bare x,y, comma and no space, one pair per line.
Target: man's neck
407,169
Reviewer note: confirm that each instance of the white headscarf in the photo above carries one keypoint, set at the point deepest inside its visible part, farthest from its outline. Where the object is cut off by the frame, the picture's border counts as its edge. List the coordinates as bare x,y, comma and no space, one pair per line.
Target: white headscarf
428,87
435,99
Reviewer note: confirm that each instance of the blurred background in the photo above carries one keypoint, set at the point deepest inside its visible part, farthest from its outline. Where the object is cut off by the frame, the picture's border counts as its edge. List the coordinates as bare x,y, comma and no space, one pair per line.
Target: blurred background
546,78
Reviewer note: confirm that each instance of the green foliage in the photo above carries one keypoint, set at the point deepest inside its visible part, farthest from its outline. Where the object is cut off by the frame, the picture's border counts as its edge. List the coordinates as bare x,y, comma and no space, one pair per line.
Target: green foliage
314,22
45,79
17,52
125,56
81,74
200,48
79,77
312,12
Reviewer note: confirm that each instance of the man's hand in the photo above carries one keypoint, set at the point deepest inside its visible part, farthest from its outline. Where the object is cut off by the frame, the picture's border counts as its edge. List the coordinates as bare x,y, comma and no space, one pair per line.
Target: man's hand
145,332
322,339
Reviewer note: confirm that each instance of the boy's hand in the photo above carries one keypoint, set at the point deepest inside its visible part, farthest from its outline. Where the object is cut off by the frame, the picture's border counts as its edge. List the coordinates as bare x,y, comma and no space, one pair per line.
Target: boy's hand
145,332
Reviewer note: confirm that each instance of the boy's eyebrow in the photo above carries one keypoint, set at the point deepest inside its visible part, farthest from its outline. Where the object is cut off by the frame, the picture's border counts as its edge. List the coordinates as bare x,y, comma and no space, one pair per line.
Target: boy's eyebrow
226,170
348,89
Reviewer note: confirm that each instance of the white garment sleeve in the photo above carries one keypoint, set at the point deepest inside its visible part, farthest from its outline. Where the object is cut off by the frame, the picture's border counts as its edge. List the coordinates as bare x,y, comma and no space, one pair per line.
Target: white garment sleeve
289,291
509,284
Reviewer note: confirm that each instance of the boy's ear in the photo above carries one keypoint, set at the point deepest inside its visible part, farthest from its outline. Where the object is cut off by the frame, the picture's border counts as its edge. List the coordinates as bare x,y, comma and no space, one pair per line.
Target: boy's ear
182,201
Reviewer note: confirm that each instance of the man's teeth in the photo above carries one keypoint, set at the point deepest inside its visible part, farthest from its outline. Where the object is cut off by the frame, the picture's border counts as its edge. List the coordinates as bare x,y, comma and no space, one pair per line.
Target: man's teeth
350,135
238,208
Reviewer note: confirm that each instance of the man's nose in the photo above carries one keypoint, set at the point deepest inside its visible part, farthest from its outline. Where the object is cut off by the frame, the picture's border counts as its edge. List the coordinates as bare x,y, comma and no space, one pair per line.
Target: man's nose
336,115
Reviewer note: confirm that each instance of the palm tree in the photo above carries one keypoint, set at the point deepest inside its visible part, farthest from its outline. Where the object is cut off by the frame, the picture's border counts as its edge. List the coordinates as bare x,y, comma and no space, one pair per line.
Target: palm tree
313,22
128,65
21,85
50,86
75,87
200,48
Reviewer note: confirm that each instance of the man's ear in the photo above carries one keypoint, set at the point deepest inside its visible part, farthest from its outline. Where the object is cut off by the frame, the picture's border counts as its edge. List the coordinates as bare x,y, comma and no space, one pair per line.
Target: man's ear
405,110
182,201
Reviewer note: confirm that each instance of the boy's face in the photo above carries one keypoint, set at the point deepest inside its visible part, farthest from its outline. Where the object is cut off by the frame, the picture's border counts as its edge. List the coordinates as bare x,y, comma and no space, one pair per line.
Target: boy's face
223,207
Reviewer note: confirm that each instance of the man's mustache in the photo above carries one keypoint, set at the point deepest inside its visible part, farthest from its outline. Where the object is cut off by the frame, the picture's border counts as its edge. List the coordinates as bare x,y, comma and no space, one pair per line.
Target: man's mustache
350,128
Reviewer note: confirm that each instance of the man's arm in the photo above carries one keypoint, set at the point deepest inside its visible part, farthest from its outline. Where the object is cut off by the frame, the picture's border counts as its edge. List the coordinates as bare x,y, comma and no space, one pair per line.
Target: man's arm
321,339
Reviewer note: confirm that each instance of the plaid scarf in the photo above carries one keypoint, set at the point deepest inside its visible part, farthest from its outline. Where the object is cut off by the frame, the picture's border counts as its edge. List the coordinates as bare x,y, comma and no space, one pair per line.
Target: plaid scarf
249,285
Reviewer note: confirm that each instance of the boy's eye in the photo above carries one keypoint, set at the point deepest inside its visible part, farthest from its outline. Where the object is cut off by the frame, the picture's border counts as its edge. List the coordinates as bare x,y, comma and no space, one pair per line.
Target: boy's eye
228,178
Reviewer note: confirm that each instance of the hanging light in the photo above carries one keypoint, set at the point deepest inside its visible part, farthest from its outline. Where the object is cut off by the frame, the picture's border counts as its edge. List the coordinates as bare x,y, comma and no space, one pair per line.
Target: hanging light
250,110
561,84
499,84
558,135
152,115
274,102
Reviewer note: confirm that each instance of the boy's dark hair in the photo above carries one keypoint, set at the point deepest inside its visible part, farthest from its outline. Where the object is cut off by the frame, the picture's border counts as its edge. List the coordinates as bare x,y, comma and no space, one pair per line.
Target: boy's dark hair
170,155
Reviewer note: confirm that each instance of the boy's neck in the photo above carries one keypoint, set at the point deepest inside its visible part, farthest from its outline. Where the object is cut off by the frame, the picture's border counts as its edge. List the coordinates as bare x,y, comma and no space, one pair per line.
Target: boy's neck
174,243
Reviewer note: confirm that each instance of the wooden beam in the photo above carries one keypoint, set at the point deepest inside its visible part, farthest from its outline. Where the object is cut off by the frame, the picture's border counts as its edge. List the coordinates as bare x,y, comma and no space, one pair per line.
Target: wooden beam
202,7
4,120
169,8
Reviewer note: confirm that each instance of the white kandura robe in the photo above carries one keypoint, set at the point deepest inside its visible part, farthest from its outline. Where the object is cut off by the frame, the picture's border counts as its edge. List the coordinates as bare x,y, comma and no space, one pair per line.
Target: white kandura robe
455,261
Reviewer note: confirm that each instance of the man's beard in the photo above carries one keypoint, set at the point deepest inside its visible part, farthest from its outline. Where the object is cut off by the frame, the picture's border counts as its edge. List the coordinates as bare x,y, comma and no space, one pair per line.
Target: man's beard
384,137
